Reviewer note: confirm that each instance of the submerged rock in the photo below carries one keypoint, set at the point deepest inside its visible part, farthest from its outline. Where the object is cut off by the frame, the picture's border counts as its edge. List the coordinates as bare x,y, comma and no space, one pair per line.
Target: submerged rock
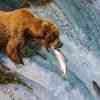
96,87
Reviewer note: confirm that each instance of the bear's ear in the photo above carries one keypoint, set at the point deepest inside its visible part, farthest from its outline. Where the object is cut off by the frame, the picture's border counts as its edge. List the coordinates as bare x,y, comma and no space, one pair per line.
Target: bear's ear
45,25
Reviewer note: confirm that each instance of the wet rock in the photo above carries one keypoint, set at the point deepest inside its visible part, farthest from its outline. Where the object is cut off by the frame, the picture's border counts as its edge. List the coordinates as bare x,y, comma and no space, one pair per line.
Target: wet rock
96,87
6,75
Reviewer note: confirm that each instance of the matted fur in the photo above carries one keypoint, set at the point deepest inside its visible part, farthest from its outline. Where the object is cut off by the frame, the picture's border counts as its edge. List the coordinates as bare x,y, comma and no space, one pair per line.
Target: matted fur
18,26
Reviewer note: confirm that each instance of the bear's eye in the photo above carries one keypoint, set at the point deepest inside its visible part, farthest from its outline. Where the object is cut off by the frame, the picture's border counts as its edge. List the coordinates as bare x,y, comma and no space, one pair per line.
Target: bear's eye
52,37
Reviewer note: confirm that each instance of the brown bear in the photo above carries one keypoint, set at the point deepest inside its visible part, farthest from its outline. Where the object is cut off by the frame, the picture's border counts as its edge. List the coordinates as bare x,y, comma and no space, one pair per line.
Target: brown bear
18,26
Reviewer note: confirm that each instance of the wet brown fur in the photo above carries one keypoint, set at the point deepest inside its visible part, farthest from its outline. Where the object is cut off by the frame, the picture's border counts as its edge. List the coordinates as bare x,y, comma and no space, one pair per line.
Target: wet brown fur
17,26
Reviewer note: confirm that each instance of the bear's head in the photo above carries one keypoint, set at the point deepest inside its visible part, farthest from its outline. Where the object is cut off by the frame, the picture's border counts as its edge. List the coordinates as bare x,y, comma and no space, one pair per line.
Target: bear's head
46,33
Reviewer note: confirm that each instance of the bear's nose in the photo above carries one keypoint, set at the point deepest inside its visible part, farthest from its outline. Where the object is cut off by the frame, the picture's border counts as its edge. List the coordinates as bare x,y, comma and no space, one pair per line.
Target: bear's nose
60,44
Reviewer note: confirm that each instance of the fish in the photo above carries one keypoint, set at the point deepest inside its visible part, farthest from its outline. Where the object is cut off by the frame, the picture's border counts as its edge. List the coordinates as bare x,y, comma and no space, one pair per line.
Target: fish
61,59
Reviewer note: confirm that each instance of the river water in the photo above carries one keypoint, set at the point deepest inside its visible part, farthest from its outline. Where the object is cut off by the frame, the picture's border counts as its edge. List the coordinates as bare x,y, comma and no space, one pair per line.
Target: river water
79,27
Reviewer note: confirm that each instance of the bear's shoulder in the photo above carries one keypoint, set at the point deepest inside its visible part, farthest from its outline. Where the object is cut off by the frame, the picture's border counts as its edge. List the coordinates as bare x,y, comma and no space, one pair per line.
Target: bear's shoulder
23,12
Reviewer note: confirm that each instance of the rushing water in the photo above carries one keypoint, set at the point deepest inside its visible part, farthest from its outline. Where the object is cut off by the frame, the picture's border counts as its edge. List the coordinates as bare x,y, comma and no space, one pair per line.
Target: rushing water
79,25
